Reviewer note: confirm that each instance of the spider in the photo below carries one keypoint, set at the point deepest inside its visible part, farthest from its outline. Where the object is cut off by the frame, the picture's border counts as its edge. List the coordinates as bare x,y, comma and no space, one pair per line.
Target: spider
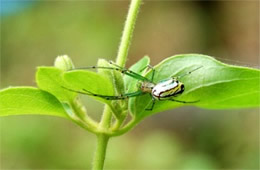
165,89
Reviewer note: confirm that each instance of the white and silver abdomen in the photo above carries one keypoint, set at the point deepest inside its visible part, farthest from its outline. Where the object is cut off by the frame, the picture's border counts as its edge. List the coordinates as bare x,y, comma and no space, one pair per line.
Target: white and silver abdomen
167,89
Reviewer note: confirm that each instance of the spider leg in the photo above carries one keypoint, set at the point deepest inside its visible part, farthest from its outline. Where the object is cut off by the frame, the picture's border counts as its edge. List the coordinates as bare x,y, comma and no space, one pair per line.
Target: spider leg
179,101
114,64
150,67
126,71
119,97
153,71
107,97
117,68
76,91
97,67
152,106
185,74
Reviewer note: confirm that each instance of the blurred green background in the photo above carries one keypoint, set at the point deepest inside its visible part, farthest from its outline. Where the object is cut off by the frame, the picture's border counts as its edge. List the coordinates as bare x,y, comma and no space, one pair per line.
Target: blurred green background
33,33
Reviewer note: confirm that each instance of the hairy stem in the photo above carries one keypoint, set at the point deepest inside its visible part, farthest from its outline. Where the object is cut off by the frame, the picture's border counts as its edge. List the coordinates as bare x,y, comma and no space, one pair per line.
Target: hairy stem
102,138
128,32
105,120
99,158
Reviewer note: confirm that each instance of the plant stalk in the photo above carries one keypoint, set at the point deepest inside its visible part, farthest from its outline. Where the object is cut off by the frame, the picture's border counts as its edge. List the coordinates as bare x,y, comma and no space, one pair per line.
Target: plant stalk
128,32
100,154
105,123
102,139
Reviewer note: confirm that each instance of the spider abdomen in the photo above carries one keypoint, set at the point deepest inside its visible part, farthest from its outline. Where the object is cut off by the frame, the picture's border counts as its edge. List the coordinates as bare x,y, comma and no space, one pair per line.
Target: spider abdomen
167,89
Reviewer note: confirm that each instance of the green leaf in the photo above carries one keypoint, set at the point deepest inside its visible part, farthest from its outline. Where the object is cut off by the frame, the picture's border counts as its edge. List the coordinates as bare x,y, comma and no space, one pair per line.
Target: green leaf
50,79
29,100
216,85
90,81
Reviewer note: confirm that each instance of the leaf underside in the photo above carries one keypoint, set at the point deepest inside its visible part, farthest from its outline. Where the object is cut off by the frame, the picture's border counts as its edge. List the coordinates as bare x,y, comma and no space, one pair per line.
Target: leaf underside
93,82
29,100
50,79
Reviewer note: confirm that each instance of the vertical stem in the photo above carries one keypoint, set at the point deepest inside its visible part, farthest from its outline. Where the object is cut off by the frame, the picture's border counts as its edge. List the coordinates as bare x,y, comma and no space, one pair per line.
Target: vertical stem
106,119
128,32
102,138
99,158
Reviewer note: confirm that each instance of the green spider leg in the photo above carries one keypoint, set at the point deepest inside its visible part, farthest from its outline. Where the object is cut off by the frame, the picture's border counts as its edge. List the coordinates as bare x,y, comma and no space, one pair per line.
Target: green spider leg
107,97
174,100
187,73
117,68
136,74
153,70
180,101
153,103
119,97
147,66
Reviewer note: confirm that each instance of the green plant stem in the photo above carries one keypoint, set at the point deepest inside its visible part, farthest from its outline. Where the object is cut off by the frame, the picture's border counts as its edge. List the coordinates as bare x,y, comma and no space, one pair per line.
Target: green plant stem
99,158
81,112
85,122
105,120
126,128
102,138
128,32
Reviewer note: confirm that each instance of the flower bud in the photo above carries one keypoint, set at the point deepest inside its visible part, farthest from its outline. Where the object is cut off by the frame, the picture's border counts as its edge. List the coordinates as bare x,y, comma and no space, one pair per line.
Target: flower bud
64,63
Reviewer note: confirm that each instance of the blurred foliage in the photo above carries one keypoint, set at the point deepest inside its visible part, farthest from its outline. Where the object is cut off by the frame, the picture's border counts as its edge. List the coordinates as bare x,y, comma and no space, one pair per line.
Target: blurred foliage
188,138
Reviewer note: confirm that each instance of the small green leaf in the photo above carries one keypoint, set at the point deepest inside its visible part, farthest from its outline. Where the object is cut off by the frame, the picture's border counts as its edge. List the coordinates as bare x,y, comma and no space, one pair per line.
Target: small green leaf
29,100
50,79
215,86
82,80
